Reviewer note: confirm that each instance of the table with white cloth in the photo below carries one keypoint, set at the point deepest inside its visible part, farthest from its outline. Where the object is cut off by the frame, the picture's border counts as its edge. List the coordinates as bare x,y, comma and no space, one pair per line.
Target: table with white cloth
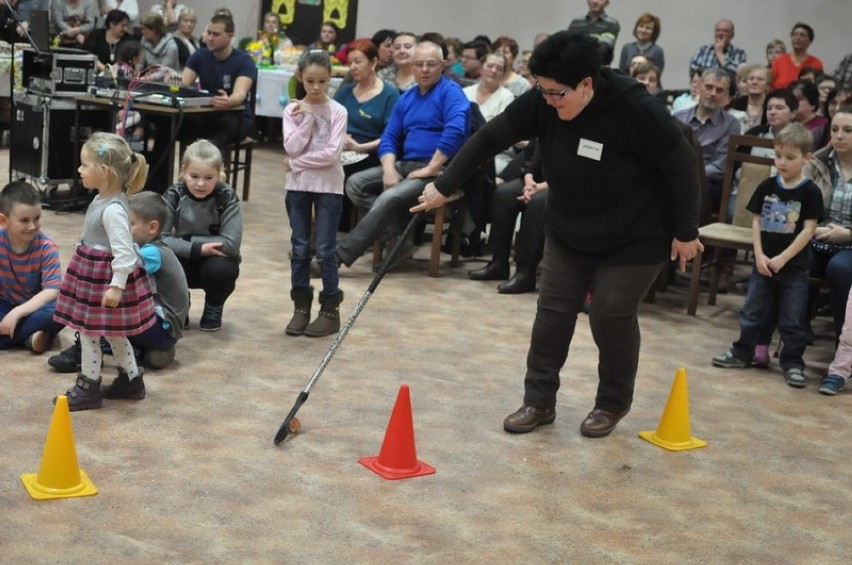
272,90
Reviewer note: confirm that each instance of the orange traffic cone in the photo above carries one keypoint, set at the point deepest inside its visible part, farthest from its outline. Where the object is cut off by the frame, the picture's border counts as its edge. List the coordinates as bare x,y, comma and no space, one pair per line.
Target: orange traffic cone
398,457
673,433
59,476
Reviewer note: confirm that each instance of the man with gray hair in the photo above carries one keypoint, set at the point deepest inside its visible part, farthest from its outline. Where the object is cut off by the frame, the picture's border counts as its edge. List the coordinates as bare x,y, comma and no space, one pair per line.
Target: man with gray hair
713,127
721,53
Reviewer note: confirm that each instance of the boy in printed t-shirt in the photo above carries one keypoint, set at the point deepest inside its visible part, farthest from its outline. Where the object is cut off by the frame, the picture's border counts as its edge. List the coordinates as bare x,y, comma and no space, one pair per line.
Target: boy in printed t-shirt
786,210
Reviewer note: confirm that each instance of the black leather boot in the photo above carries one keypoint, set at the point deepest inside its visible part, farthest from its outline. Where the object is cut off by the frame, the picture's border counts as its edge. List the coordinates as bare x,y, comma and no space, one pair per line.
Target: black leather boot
493,271
522,281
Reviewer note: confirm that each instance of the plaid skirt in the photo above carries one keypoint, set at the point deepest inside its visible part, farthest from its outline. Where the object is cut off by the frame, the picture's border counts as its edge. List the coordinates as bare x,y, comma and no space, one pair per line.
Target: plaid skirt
86,280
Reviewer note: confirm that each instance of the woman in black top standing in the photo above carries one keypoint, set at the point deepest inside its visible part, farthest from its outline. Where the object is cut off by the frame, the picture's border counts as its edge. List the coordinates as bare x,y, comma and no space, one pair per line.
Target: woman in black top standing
623,200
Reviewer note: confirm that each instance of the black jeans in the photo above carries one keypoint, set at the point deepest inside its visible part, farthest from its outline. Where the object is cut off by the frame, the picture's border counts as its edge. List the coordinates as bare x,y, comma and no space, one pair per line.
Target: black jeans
617,291
504,213
216,275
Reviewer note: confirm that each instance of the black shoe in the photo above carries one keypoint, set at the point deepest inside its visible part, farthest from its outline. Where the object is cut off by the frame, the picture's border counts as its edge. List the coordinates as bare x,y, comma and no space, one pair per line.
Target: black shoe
68,361
493,271
124,387
521,282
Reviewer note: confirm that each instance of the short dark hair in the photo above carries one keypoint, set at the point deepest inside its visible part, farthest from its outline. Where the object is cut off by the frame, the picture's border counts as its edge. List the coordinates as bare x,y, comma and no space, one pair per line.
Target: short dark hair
149,206
226,21
18,192
482,49
437,39
127,50
382,35
115,17
809,71
786,95
567,57
808,89
808,29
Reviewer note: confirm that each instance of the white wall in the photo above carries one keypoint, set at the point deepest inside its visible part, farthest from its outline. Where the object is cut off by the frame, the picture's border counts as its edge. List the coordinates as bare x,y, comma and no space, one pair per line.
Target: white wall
686,24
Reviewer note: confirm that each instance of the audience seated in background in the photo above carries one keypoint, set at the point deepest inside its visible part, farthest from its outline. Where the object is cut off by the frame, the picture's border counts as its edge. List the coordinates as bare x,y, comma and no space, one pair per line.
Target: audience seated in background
824,84
721,53
369,102
774,49
786,67
454,56
473,52
516,84
492,97
527,197
648,74
839,96
104,41
271,39
843,72
185,33
646,31
400,73
597,22
73,20
713,126
10,32
808,96
523,68
753,103
158,46
129,7
427,127
689,99
170,11
383,40
328,36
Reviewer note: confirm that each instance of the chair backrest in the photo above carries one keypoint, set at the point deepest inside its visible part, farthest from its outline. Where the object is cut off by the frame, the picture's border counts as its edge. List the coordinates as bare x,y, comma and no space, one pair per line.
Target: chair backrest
739,153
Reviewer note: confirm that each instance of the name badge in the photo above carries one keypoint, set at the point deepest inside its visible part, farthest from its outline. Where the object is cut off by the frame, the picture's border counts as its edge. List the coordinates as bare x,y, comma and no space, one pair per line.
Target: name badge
590,149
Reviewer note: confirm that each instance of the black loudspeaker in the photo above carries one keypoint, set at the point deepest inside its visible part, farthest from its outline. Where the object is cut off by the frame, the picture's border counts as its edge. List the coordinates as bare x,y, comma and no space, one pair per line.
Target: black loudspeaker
44,140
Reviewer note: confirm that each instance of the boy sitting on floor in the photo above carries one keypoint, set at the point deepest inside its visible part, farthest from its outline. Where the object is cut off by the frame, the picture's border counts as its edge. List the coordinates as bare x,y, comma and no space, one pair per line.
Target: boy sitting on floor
30,274
155,346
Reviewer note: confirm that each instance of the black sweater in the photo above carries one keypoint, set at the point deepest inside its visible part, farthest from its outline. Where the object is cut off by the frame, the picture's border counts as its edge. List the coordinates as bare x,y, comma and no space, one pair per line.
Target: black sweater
624,208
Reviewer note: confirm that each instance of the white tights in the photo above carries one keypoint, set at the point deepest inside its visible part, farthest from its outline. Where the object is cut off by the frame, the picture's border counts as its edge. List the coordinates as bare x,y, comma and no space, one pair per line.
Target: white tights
91,355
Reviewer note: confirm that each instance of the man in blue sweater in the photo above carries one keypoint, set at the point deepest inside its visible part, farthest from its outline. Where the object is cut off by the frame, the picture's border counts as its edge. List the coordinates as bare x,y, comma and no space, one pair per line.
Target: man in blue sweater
428,126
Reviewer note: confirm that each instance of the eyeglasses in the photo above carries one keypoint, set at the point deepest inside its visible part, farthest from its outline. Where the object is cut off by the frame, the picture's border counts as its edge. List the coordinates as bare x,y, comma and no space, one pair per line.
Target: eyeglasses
555,95
426,64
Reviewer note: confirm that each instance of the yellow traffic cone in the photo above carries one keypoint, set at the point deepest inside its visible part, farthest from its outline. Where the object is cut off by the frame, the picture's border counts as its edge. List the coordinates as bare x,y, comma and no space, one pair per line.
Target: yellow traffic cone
59,476
673,433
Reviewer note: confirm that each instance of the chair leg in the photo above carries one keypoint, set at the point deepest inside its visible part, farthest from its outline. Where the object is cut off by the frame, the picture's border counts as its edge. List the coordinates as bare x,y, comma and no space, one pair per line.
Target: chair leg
694,283
437,234
456,225
247,173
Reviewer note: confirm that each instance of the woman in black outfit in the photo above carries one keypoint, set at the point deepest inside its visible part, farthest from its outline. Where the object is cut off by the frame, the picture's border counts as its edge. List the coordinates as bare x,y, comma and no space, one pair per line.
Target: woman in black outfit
103,42
623,200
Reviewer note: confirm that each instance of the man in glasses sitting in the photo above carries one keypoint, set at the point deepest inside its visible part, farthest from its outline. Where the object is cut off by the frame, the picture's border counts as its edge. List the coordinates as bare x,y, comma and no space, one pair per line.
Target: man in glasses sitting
428,126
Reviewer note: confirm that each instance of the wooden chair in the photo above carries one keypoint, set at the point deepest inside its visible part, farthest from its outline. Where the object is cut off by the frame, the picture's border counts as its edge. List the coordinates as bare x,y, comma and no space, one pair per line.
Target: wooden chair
455,207
738,234
240,153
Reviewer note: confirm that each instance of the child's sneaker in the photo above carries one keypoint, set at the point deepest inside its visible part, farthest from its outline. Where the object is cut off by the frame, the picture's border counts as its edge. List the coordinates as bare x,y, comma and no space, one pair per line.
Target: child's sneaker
211,318
832,384
123,387
84,395
728,361
795,377
761,356
39,342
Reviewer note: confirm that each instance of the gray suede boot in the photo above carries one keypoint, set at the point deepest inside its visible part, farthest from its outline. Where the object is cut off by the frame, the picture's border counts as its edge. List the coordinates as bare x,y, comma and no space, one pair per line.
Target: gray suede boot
328,320
302,299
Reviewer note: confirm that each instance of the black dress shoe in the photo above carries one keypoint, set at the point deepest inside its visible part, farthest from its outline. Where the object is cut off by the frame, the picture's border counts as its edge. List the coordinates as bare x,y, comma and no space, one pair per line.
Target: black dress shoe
600,423
527,418
493,271
521,282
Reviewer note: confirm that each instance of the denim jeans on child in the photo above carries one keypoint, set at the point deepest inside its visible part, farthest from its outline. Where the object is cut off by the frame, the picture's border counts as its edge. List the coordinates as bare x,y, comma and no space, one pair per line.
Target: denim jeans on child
792,288
41,319
300,206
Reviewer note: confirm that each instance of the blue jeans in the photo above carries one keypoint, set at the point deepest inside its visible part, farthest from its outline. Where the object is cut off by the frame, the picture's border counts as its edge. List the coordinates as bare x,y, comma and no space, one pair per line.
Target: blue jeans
792,289
617,291
300,206
386,211
837,269
40,320
155,337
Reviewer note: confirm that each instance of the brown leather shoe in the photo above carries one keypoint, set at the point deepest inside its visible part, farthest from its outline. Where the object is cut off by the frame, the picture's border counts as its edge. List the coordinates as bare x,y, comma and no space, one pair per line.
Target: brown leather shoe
600,423
527,418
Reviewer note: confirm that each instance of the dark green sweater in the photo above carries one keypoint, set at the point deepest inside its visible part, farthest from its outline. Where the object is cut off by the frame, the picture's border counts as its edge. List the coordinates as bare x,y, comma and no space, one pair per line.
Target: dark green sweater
624,208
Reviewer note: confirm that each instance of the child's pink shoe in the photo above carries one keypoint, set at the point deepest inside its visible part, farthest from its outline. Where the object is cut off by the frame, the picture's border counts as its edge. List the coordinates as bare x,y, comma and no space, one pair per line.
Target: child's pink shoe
761,356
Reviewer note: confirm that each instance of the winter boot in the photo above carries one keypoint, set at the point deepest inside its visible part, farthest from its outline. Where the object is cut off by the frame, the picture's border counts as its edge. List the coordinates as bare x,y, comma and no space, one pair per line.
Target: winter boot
68,361
302,299
123,387
211,318
328,320
84,395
